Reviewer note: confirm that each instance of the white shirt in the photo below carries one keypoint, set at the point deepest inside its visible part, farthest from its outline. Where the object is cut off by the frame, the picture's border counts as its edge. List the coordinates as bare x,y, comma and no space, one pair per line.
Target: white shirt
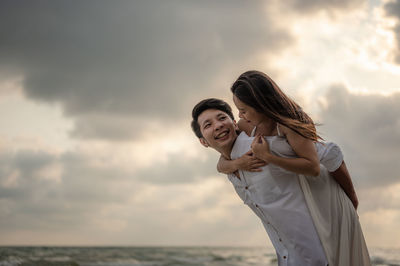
277,199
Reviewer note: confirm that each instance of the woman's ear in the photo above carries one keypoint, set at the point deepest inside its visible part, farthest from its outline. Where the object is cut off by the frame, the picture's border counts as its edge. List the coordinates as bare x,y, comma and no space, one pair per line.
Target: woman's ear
236,125
204,142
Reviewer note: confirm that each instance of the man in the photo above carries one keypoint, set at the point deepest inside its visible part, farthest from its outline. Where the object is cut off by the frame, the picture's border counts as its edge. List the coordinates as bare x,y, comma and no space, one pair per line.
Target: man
278,202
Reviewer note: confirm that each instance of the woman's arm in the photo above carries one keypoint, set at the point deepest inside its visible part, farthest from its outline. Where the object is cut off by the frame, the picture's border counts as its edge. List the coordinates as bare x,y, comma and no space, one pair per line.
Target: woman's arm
246,162
342,177
307,162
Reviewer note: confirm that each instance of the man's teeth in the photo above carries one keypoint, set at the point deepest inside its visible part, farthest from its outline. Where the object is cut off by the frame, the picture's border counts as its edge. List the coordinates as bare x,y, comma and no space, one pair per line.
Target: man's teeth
223,134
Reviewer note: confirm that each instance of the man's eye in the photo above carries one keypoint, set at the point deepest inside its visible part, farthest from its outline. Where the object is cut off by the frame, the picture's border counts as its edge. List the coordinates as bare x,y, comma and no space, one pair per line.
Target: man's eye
222,117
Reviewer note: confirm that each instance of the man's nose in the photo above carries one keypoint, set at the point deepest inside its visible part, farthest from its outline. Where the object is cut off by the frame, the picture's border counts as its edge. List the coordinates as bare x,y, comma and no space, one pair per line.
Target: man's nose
218,125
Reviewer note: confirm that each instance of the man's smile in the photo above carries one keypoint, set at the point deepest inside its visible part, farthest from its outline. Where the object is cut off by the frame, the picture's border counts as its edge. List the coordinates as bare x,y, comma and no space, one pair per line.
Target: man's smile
222,134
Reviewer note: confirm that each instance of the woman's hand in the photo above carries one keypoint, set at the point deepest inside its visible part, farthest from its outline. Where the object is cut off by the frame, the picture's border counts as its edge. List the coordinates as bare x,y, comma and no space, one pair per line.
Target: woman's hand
260,148
248,162
354,199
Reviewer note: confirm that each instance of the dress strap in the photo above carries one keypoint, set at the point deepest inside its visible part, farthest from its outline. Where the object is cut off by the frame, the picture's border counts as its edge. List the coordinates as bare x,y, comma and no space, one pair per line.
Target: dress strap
253,132
277,129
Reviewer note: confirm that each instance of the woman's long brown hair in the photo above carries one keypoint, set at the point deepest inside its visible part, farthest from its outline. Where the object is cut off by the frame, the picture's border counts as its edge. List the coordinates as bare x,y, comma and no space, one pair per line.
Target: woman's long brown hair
259,91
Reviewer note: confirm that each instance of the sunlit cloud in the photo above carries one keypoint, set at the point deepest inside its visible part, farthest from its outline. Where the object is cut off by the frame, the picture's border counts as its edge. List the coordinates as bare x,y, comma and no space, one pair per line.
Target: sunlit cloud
379,227
392,9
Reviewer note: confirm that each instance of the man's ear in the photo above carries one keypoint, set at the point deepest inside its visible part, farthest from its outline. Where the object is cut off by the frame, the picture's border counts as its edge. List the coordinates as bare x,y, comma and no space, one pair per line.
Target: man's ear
204,142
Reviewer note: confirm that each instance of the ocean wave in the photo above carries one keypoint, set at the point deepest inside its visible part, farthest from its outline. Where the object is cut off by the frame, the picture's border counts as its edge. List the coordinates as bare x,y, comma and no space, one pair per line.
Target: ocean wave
157,256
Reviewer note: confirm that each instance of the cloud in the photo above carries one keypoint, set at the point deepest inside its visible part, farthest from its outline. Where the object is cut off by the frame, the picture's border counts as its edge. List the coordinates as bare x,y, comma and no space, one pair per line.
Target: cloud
379,198
161,206
30,189
68,189
113,60
367,127
392,9
314,6
179,169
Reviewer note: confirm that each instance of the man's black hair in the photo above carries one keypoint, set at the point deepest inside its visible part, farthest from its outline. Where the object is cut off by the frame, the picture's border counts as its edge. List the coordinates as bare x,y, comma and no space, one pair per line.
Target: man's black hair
211,103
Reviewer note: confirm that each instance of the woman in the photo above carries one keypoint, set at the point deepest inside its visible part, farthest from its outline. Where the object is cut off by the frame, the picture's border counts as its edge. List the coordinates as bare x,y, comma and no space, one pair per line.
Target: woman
284,137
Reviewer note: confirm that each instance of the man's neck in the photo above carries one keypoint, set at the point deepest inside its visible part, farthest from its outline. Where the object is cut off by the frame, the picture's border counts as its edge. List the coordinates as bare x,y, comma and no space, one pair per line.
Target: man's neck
226,151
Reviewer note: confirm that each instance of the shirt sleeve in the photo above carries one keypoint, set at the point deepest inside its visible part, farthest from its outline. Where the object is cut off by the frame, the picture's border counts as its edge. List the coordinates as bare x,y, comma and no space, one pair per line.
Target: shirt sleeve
330,155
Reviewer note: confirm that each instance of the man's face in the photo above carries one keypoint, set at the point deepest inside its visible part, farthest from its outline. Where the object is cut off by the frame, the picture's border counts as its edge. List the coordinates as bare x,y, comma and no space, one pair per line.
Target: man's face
218,129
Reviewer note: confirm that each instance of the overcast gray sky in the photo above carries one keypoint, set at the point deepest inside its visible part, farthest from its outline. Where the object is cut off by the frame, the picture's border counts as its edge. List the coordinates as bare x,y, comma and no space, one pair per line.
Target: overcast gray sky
95,104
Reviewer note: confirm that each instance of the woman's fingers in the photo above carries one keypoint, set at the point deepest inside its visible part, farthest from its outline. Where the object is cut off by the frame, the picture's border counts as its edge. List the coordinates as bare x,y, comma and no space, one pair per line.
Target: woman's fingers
255,170
259,164
257,160
250,153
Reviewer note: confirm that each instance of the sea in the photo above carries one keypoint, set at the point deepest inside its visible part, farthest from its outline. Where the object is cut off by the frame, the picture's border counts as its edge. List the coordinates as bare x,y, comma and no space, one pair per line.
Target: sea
159,256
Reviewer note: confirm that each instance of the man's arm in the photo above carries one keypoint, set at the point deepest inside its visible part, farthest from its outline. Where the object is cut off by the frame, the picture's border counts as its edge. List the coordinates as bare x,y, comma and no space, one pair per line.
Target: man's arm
246,162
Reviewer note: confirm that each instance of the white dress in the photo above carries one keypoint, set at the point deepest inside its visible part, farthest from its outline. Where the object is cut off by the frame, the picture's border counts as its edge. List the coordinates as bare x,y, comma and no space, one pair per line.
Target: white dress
309,220
333,214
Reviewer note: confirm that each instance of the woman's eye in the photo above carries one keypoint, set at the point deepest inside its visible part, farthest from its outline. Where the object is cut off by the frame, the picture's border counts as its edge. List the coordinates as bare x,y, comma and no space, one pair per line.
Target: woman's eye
206,125
222,118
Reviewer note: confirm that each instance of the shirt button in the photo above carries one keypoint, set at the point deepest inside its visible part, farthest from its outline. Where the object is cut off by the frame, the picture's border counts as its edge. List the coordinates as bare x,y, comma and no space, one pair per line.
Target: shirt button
280,239
246,187
284,257
256,205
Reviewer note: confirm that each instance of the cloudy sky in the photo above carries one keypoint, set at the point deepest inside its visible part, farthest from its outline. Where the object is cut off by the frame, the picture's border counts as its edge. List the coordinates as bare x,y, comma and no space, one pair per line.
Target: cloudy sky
95,104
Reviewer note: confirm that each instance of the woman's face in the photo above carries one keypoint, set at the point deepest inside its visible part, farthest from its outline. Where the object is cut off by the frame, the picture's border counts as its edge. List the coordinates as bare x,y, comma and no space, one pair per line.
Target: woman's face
248,113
